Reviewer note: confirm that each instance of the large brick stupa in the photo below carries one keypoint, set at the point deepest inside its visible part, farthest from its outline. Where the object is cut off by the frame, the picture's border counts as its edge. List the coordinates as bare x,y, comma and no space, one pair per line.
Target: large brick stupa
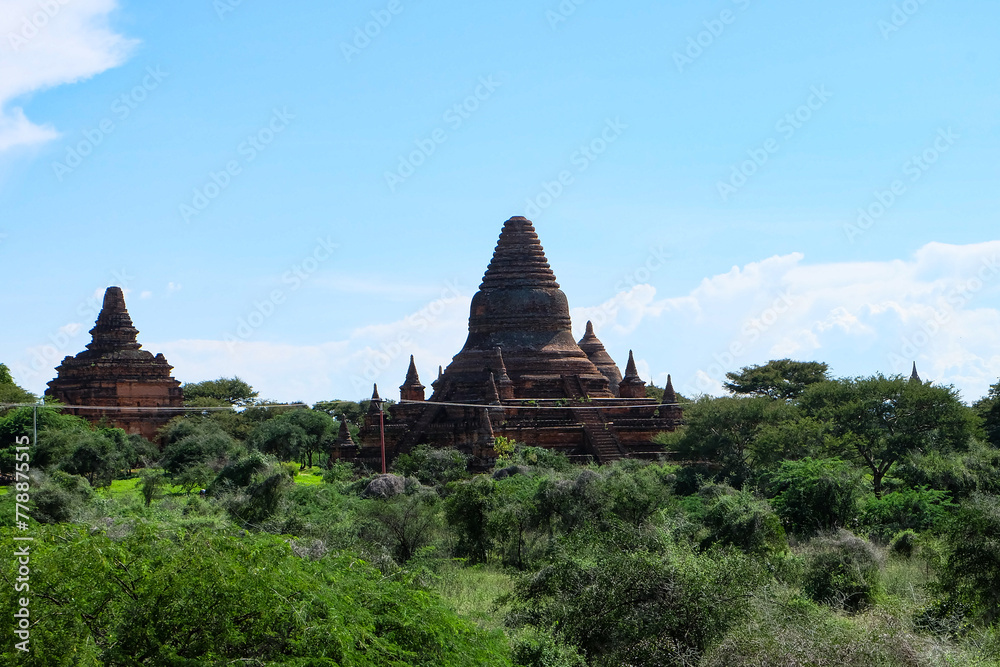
521,374
114,373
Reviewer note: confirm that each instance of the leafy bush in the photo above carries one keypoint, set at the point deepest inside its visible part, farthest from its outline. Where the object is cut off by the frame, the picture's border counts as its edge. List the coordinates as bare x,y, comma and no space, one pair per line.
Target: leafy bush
904,543
433,466
537,648
970,574
621,601
741,520
169,598
814,495
57,497
907,509
843,571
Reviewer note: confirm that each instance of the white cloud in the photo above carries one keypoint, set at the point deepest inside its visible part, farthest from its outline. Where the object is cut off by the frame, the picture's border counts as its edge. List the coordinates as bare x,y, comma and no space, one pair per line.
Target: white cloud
940,308
48,44
377,353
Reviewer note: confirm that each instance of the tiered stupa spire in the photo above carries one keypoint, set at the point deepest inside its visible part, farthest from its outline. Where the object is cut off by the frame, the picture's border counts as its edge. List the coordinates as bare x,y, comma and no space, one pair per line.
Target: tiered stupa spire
632,386
520,309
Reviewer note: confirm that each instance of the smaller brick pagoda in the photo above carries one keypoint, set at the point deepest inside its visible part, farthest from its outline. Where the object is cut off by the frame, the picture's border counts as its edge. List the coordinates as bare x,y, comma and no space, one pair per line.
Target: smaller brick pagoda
114,372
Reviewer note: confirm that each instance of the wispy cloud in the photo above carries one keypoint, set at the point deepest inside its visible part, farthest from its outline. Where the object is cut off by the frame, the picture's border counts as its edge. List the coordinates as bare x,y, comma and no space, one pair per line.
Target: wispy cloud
48,44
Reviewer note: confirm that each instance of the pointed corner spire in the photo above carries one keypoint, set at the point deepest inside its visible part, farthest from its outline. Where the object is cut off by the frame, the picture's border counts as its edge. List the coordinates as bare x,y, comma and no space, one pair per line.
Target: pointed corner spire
411,373
914,376
411,389
631,386
375,402
669,395
344,438
590,329
630,370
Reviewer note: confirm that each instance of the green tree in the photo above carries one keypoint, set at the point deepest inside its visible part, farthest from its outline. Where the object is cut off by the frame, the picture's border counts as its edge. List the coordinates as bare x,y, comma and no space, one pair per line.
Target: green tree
151,485
970,574
814,495
725,432
295,434
988,409
777,379
10,392
880,420
227,391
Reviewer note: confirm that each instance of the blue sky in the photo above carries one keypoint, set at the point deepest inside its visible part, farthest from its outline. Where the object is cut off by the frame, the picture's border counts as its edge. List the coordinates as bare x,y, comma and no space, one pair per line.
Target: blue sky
289,199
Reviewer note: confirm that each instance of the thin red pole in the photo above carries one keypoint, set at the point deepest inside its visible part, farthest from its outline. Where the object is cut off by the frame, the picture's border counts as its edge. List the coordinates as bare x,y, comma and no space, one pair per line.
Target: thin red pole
381,433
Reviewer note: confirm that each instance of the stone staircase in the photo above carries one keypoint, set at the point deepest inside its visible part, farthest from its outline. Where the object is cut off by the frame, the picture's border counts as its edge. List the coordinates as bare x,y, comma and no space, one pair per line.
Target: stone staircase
603,443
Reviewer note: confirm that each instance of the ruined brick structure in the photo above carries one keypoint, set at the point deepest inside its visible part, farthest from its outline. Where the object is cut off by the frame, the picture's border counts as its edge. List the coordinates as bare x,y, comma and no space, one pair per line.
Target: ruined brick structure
522,375
114,372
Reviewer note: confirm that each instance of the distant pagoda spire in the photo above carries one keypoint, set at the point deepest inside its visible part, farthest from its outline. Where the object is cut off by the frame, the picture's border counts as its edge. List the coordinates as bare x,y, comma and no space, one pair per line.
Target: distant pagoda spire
597,354
113,331
632,386
376,401
411,389
669,408
344,434
914,376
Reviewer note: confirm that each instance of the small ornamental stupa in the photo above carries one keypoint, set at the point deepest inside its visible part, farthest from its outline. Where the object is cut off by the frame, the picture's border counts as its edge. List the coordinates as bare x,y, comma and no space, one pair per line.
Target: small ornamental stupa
114,372
522,375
